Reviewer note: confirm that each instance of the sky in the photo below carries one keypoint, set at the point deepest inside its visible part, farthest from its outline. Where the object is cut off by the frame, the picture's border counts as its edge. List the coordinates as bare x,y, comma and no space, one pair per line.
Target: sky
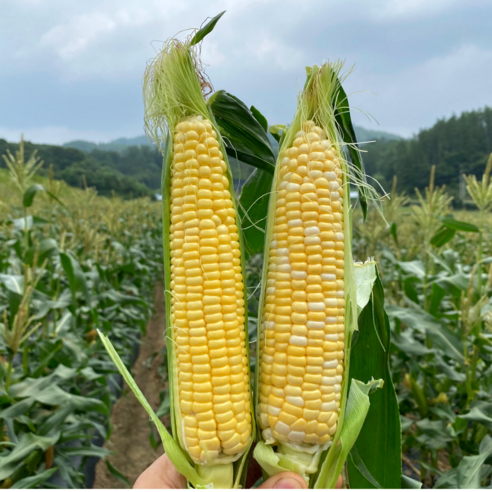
72,69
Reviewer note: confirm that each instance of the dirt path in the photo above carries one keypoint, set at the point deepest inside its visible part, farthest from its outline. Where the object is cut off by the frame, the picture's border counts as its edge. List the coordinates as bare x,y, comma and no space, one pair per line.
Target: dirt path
130,437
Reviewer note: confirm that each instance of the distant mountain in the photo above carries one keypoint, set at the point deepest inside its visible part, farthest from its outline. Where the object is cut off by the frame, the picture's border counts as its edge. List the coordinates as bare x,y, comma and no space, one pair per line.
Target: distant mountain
363,135
117,145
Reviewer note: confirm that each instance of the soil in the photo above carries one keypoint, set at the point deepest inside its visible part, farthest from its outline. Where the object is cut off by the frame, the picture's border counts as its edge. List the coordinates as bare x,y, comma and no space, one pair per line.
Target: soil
130,436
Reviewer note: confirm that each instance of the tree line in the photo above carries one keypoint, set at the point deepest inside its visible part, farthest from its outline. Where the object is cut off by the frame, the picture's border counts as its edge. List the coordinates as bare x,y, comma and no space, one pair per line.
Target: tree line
457,145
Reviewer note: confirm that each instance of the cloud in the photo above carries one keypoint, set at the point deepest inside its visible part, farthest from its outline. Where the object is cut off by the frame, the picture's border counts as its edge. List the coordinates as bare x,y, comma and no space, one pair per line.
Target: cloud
417,96
79,65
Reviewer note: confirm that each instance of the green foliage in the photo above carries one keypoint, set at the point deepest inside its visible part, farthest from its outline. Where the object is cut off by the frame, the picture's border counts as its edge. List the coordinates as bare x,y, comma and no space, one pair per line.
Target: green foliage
66,271
455,146
438,285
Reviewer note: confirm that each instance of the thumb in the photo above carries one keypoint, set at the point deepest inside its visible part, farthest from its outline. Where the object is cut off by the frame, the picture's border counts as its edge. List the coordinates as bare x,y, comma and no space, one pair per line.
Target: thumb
284,480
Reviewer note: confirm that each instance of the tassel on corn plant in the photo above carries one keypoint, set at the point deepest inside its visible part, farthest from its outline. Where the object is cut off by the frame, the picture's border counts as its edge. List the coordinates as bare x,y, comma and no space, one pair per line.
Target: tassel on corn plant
206,312
308,307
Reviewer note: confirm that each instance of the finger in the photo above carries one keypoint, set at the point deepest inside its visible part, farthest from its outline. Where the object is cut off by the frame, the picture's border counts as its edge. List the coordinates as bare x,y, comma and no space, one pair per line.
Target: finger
339,482
160,475
284,480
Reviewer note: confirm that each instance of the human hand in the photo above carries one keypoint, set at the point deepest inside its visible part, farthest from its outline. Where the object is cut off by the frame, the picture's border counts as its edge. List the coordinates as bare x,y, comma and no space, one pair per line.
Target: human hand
163,475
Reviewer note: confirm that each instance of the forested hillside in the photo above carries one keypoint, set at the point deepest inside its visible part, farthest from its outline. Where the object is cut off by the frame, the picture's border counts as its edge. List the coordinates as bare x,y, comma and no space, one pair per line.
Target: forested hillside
460,144
135,171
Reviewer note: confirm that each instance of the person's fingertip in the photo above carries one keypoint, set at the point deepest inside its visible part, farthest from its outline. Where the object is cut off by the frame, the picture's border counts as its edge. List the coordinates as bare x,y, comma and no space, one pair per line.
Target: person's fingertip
287,483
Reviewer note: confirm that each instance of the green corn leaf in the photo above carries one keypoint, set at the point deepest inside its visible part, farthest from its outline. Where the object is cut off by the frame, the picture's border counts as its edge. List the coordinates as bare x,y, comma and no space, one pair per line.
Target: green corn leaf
29,195
456,225
381,433
117,474
442,236
342,116
244,136
206,29
35,480
172,449
253,209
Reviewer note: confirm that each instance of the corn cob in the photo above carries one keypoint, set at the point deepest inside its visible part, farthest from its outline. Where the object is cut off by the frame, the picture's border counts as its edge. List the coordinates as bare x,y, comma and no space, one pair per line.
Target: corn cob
307,307
303,323
208,358
207,303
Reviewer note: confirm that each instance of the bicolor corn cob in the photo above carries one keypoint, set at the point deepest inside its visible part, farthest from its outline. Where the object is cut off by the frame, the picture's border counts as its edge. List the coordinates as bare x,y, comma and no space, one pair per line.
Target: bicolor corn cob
208,309
308,309
302,328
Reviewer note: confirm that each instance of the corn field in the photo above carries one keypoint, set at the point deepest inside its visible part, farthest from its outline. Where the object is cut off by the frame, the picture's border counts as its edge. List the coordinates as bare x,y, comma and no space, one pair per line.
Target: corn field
70,263
314,332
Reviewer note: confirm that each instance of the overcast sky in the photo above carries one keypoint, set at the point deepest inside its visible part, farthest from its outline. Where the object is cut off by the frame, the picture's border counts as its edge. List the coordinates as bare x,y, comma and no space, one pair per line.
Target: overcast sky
72,69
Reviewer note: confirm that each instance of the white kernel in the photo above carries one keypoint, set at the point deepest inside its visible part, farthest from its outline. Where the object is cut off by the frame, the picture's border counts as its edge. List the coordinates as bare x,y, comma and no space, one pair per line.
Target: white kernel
273,244
295,223
330,176
283,185
292,187
264,420
296,436
274,410
282,260
331,337
335,196
298,275
283,252
315,325
282,428
283,268
327,406
316,306
300,341
311,240
328,276
328,381
267,435
338,379
339,236
311,231
338,388
333,185
330,364
270,291
331,302
340,294
285,161
267,358
297,401
331,320
269,325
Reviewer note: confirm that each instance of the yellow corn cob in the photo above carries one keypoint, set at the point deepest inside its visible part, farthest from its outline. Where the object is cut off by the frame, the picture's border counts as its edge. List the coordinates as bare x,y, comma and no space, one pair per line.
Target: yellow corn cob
303,323
207,312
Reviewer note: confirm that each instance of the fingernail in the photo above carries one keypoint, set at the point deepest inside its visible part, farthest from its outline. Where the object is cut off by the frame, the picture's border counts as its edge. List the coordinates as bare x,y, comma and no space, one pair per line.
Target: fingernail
287,483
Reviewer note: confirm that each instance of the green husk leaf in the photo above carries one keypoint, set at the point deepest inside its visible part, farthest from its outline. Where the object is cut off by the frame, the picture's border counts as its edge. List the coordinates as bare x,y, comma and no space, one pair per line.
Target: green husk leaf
171,448
355,414
381,432
365,276
268,459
